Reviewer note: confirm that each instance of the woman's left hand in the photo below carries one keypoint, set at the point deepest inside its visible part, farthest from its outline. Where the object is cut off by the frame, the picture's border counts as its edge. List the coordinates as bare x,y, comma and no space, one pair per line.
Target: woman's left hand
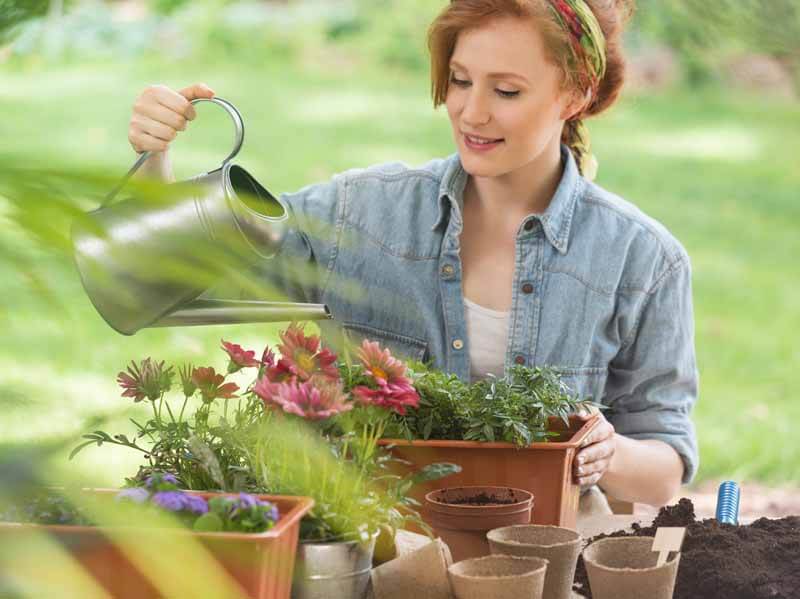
594,457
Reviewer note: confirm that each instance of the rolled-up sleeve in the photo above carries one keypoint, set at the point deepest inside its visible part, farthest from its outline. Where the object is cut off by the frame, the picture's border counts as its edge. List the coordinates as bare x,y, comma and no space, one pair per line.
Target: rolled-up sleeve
653,381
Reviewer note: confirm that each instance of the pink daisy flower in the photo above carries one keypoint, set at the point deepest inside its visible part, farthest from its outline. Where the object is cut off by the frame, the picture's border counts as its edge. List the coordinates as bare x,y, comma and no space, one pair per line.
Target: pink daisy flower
303,357
312,400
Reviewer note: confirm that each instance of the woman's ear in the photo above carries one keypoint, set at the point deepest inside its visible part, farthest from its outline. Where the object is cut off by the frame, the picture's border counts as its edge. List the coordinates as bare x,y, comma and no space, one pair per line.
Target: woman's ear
577,103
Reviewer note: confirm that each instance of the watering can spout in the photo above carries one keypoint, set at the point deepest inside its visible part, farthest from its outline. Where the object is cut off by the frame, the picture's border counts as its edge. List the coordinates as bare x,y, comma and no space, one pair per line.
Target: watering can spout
145,262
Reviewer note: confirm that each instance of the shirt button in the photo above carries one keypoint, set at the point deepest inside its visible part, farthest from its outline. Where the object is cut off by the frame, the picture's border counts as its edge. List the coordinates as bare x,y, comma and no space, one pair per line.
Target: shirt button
520,360
530,225
448,270
458,344
527,288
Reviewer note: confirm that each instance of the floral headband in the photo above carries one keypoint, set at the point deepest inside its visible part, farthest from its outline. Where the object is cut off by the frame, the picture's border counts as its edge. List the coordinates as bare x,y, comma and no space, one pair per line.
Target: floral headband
589,48
588,40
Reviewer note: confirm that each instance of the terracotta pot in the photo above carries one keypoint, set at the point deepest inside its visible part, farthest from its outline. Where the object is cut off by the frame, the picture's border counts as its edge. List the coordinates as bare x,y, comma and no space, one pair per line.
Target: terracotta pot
544,469
560,546
498,577
463,525
258,566
625,568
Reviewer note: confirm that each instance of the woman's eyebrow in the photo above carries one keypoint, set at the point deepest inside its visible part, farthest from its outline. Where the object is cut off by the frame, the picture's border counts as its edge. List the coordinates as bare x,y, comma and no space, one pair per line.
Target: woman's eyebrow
507,75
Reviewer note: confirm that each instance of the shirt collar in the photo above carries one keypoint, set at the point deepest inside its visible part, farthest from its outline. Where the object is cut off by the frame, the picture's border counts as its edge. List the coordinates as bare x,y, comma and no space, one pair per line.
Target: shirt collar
557,218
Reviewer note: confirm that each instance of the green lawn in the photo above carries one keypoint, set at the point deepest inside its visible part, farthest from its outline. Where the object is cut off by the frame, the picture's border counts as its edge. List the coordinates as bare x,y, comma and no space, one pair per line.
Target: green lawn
719,170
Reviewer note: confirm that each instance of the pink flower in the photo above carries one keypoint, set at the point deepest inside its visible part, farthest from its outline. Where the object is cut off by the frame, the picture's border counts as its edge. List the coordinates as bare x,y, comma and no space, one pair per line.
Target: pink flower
391,389
391,397
268,357
302,356
147,379
316,399
210,384
239,358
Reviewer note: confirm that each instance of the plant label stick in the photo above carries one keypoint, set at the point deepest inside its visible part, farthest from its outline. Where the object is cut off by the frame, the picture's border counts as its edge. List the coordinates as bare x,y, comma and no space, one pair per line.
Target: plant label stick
668,538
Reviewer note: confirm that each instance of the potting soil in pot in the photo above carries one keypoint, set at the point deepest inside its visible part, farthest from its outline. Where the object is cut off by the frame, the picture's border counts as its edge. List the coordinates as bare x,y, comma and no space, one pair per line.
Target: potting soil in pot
758,561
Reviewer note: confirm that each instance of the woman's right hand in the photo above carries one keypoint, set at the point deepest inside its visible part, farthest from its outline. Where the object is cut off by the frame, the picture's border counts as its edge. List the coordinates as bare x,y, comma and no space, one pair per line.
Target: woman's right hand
159,113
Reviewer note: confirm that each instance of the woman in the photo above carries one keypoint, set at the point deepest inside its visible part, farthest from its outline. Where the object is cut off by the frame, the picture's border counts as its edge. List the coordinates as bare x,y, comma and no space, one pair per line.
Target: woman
505,252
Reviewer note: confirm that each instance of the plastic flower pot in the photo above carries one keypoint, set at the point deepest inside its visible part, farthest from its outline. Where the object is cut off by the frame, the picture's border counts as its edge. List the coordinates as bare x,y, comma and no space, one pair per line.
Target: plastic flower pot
333,569
462,515
544,469
498,577
625,568
257,565
560,546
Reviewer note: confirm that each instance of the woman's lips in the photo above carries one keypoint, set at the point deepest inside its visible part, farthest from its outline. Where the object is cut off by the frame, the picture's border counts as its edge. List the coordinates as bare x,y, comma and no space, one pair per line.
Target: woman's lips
480,144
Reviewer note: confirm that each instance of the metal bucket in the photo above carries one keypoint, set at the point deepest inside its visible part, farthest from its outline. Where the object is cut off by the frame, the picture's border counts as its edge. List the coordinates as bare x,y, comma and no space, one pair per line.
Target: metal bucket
145,261
333,570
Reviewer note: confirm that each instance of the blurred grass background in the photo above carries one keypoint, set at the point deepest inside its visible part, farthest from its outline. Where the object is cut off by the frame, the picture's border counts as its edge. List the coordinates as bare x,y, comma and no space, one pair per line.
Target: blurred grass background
703,141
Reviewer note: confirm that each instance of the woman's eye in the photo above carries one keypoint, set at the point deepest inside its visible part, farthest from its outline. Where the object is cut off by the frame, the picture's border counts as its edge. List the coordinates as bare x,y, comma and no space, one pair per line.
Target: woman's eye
458,82
507,94
465,83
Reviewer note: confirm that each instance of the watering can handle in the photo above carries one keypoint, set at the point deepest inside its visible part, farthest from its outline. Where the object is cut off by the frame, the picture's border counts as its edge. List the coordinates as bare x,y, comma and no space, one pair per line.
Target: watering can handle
237,123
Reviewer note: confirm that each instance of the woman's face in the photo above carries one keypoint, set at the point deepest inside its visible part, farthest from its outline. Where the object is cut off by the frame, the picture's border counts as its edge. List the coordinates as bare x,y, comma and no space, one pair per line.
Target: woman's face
503,90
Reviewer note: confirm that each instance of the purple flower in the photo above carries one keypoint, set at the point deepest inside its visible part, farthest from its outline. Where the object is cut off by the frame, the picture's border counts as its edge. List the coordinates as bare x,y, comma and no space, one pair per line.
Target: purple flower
195,504
247,501
135,495
170,500
177,501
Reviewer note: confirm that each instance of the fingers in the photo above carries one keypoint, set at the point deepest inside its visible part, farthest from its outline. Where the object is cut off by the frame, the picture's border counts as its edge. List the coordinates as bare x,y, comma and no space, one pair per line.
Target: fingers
599,451
588,481
600,433
159,113
193,92
163,115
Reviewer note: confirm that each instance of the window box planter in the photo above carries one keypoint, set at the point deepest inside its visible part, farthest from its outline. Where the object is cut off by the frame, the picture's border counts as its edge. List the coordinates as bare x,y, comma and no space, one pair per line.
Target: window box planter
259,565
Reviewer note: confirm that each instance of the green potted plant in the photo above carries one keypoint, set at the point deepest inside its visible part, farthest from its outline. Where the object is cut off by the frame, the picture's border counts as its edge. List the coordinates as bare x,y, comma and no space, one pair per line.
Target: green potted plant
524,421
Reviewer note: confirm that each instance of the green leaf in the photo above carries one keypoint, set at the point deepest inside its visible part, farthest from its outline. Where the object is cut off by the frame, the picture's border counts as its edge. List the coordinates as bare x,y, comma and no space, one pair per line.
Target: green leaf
434,472
208,522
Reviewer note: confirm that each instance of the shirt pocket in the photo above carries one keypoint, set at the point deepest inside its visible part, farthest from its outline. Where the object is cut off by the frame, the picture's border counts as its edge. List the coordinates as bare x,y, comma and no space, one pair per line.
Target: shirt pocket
401,346
587,382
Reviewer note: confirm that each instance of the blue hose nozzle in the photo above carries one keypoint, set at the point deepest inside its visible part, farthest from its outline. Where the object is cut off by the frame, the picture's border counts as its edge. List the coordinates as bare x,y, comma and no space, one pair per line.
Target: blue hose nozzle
728,503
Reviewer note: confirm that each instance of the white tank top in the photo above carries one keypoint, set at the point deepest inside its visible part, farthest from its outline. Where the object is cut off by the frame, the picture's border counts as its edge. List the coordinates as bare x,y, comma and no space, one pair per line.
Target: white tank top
487,331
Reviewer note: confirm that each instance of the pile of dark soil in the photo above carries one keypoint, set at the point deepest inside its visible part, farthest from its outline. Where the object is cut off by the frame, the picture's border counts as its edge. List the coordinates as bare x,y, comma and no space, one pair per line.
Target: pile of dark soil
758,561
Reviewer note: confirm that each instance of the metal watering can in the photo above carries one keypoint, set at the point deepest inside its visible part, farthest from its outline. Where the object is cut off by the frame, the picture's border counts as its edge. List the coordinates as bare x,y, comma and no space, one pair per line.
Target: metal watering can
145,262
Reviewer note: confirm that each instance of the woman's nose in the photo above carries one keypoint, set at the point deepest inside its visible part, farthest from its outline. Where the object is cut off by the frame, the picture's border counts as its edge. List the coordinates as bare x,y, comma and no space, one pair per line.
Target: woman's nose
476,110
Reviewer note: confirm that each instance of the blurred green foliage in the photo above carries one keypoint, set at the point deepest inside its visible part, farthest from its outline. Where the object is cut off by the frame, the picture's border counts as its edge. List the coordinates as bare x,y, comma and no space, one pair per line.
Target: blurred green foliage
704,32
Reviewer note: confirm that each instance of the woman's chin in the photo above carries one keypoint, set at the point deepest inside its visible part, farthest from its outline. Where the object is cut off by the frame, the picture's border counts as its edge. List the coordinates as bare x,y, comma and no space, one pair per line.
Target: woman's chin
478,167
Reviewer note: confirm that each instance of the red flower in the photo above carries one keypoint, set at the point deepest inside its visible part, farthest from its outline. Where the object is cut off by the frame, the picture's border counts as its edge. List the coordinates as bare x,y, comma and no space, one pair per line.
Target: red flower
239,358
303,358
316,399
210,384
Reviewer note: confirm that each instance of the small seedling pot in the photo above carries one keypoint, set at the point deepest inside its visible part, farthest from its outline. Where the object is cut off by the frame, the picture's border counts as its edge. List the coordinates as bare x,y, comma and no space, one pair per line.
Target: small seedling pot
560,546
625,568
498,577
461,516
421,573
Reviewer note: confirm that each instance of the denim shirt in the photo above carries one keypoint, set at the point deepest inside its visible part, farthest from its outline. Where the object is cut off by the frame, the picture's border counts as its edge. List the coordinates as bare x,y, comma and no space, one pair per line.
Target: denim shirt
600,291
